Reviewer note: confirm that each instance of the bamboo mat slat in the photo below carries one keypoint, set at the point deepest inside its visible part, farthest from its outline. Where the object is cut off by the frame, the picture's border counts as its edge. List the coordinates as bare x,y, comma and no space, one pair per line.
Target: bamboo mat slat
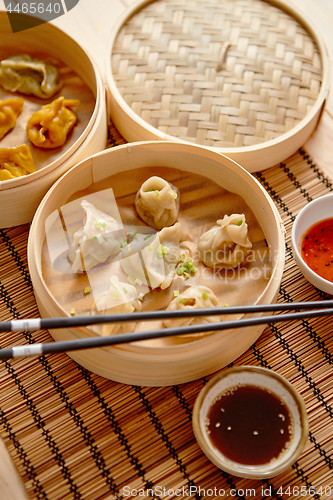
75,435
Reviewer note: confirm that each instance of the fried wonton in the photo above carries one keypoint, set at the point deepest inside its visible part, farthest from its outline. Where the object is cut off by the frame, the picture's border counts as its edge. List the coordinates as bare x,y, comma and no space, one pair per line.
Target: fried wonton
9,111
48,127
15,162
29,76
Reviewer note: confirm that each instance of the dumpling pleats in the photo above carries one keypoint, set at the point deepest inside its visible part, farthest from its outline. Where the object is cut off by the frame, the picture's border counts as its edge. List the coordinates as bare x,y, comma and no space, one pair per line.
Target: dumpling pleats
157,202
226,244
95,242
194,297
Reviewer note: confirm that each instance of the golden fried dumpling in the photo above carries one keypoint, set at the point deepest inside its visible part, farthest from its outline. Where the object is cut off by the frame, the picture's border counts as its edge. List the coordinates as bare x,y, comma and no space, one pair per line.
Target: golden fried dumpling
49,126
29,76
15,162
9,111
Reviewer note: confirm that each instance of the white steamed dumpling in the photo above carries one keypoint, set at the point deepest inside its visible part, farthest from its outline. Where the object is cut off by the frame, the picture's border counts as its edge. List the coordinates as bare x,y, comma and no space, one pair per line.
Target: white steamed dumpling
95,242
120,298
226,244
194,297
153,260
157,202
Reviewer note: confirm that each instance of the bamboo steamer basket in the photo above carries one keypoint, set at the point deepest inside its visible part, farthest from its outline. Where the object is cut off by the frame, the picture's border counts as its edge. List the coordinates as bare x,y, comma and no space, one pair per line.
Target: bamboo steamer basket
160,366
246,78
20,197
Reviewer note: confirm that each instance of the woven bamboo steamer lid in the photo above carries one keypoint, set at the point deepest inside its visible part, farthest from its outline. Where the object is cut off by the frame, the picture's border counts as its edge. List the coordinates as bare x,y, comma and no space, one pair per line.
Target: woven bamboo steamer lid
20,197
157,366
246,78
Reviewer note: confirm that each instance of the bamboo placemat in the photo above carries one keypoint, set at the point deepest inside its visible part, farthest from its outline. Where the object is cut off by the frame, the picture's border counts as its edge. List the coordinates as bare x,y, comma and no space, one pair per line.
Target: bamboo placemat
75,435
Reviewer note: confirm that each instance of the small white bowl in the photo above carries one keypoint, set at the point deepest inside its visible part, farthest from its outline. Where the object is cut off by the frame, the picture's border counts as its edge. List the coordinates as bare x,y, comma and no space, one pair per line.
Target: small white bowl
263,378
315,211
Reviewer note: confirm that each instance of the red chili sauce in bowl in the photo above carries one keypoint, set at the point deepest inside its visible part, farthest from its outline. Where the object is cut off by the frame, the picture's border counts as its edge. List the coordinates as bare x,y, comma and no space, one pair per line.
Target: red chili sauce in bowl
317,248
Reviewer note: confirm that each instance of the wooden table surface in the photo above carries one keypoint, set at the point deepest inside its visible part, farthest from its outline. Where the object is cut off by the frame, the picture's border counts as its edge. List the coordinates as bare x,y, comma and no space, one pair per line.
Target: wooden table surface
90,24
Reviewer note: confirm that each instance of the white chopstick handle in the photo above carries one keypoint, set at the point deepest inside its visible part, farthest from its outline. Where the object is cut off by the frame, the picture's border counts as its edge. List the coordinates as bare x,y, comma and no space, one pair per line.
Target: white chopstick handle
25,325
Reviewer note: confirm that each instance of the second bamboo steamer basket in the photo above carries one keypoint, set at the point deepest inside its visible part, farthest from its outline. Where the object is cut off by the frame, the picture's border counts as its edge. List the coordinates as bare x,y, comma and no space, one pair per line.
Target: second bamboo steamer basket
20,197
247,78
158,366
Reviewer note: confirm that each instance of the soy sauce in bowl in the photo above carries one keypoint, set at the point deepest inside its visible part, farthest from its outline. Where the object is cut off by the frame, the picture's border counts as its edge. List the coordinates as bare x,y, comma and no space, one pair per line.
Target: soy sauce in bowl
249,425
250,422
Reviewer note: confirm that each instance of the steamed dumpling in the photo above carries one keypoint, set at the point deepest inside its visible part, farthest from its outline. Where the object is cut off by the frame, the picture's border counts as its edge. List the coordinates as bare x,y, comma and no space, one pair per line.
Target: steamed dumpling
95,241
15,162
49,126
29,76
155,257
120,298
226,244
9,111
157,202
194,297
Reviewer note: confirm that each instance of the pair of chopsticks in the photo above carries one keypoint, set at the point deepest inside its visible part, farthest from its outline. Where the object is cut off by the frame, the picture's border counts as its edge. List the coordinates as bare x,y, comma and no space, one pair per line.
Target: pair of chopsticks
310,309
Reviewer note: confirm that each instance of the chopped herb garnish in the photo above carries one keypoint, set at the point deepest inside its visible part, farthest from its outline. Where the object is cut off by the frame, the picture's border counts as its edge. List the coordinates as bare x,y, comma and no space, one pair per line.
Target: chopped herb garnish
157,193
225,305
94,237
148,236
162,250
205,295
150,247
181,301
123,244
131,233
173,195
87,290
175,293
115,294
186,267
100,224
125,289
182,257
239,223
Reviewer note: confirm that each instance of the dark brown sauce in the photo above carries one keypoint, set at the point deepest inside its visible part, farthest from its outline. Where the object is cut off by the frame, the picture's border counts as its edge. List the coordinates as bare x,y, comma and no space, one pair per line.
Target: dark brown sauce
249,425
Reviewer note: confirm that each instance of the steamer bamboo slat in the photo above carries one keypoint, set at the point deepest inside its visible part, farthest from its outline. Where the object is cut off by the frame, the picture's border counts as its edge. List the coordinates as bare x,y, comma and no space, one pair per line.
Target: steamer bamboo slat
248,79
90,133
160,364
